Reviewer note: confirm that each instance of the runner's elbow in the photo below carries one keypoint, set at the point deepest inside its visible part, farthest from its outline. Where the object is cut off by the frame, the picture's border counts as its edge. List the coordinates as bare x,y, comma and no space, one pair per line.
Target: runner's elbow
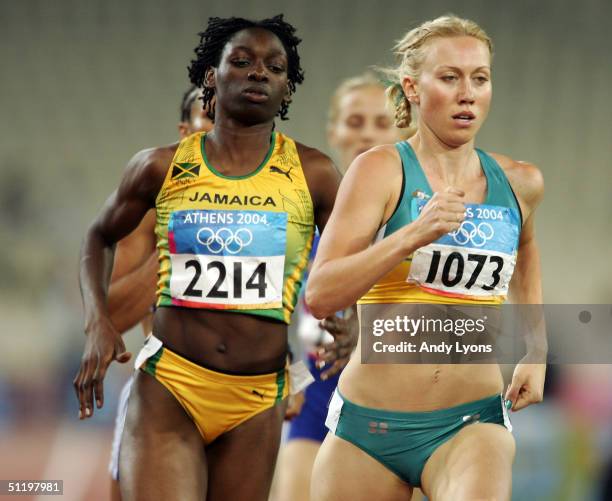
94,236
316,303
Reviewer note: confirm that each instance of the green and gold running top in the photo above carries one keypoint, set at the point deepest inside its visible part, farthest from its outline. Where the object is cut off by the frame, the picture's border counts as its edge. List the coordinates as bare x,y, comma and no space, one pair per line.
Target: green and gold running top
234,243
472,265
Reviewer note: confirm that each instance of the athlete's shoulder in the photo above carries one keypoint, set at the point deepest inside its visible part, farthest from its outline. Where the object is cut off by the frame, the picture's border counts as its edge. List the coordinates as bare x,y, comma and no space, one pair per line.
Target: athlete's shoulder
381,163
150,159
317,165
385,154
312,158
146,170
322,178
525,178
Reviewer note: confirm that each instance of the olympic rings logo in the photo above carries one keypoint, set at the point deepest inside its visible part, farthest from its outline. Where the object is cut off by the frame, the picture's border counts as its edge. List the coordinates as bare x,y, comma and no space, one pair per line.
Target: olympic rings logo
478,236
224,239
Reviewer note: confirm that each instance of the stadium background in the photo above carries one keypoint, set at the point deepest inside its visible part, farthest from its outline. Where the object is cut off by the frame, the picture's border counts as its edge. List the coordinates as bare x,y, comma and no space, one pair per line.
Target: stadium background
86,84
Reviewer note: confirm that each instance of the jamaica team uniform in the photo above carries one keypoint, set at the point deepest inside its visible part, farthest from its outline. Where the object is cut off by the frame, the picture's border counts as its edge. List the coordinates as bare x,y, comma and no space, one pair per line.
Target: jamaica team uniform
472,265
238,244
234,243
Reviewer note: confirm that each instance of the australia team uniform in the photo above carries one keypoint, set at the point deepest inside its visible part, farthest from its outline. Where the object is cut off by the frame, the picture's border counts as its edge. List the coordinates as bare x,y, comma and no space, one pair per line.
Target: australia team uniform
472,265
238,244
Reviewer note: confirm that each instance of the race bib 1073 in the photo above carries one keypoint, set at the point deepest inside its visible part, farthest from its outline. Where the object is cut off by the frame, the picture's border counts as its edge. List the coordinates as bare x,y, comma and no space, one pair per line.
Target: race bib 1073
477,259
227,258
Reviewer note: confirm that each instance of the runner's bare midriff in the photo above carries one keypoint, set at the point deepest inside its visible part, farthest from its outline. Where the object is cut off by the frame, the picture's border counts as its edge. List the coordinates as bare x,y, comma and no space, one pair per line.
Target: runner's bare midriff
417,387
223,341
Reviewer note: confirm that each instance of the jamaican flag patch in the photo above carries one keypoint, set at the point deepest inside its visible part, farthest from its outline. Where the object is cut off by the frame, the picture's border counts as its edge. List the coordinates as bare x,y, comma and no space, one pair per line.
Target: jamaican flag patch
185,170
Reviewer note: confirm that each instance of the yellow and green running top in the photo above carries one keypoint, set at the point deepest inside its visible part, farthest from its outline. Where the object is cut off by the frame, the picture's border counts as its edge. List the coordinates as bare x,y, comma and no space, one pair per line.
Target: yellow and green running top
234,243
472,265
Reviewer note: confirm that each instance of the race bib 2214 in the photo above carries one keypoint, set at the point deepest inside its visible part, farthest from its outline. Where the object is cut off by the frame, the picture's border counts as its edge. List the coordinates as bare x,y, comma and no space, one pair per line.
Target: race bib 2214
227,258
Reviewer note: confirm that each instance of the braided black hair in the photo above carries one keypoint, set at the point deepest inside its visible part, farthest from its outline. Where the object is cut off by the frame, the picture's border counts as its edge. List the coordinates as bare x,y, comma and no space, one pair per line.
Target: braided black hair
217,34
187,102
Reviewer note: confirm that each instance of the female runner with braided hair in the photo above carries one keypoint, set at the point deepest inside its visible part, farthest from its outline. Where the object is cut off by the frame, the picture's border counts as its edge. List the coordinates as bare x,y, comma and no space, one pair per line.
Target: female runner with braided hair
236,210
442,427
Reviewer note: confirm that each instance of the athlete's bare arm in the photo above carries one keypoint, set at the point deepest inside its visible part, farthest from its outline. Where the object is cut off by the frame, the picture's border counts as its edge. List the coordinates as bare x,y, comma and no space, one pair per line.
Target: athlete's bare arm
528,185
346,265
120,215
132,287
527,385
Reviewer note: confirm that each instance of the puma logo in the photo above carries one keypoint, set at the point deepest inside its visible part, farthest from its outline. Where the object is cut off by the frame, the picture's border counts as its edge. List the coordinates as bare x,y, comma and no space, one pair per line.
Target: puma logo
260,395
278,170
